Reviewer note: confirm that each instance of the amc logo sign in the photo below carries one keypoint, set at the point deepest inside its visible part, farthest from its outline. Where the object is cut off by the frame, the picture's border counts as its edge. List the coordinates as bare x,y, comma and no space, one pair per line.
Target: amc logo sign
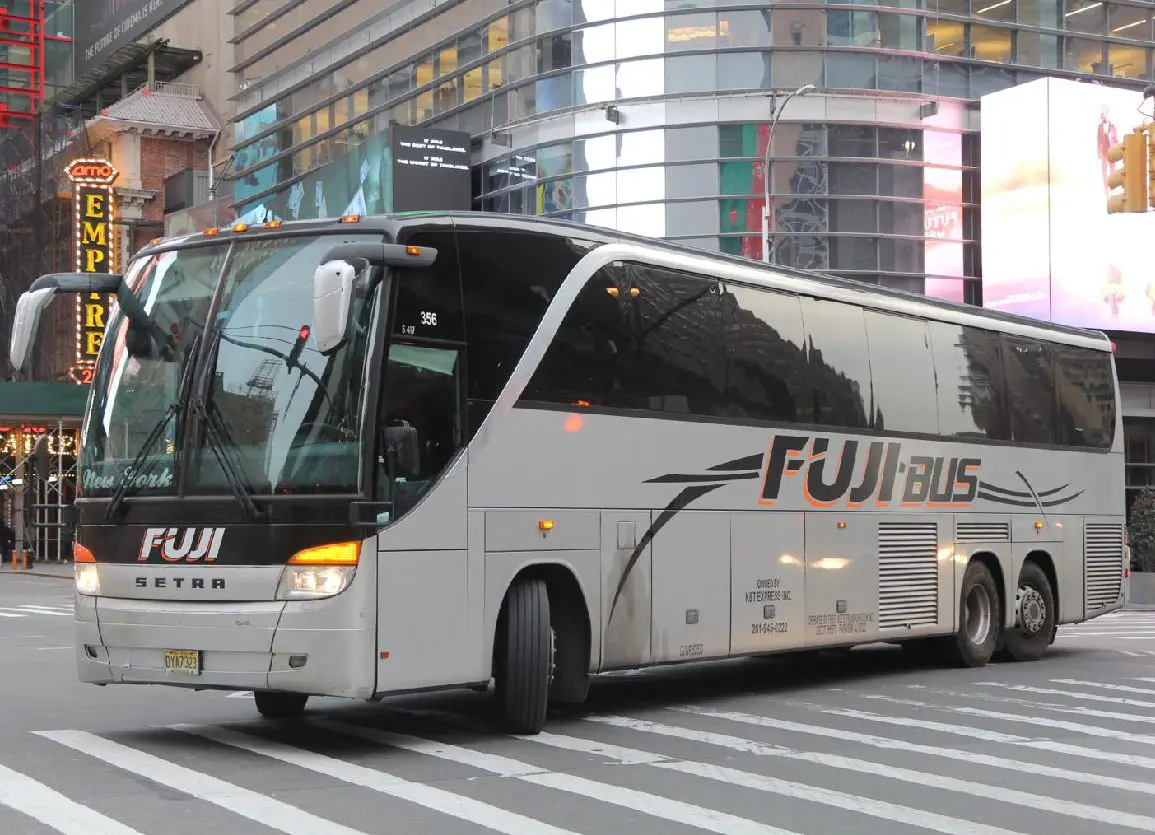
93,171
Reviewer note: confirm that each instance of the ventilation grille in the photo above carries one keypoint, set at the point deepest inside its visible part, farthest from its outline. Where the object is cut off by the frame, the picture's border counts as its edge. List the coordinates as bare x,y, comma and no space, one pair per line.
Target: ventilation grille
982,532
907,573
1103,563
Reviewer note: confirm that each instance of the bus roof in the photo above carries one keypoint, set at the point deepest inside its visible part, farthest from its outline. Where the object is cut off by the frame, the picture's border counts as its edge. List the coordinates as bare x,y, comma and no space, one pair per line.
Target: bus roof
393,223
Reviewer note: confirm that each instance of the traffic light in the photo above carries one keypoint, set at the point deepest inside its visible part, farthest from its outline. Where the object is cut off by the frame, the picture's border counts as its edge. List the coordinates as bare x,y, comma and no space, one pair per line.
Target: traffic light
1132,152
294,357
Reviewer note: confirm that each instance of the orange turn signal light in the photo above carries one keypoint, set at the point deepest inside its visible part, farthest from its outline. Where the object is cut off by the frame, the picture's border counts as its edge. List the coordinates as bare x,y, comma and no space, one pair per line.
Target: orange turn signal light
335,553
82,554
350,219
211,232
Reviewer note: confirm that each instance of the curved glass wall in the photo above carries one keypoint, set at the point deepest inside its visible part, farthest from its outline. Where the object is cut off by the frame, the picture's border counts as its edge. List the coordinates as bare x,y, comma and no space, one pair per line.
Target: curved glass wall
887,200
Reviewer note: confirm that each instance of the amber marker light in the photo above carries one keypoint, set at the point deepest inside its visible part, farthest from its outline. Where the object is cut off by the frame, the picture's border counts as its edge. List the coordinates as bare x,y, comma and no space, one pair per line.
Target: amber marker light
350,219
413,251
337,553
240,227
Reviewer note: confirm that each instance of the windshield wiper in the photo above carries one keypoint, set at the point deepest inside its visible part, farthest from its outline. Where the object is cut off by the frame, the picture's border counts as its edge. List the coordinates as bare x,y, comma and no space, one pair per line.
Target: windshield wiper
170,411
217,434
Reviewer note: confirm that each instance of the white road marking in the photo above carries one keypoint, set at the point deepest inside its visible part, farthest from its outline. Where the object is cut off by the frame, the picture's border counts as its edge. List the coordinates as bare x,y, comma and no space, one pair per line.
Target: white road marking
1118,688
660,807
1068,694
1042,721
1133,760
248,804
51,808
1077,810
812,794
489,816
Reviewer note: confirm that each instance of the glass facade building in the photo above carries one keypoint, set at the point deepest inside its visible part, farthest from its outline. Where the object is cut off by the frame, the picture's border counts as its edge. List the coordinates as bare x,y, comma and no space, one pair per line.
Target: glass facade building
652,116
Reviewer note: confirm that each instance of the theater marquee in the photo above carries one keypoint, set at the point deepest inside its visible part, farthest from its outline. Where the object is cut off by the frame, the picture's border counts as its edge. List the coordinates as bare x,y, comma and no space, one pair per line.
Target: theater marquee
92,181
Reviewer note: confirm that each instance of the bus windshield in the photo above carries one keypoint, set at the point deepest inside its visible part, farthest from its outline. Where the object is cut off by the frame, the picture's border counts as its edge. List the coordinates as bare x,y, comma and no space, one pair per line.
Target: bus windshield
288,416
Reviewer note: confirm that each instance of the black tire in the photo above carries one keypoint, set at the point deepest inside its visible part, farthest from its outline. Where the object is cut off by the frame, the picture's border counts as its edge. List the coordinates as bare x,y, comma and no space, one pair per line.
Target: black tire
1035,616
523,668
276,705
980,620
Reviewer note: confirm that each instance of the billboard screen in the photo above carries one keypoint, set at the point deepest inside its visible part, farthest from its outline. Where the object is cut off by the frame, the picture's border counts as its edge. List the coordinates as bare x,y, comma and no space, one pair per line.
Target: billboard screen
104,26
1049,248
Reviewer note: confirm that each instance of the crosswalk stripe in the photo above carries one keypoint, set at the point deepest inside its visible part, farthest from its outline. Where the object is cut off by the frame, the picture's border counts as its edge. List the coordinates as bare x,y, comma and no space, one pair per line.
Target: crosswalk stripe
1043,721
1133,760
458,806
40,610
660,807
249,804
7,615
1062,807
1069,694
813,794
1118,688
51,808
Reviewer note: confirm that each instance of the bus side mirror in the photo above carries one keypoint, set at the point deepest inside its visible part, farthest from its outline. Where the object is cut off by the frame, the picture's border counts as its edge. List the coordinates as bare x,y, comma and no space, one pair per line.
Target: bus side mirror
332,297
401,450
26,323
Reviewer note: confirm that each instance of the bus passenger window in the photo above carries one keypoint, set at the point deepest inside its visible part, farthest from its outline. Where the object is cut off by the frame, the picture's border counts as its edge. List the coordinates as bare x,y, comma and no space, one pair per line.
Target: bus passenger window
422,390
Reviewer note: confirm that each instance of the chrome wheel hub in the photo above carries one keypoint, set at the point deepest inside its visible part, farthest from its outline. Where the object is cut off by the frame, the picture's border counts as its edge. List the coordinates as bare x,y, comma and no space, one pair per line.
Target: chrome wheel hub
1032,609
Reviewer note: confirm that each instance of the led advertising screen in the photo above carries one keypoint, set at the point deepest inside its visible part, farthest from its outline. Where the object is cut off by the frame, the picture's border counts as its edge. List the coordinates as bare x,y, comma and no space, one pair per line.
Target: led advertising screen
1049,248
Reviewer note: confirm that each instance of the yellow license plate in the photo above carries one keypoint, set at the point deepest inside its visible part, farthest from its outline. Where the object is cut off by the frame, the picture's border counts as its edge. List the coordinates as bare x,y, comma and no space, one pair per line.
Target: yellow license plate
184,661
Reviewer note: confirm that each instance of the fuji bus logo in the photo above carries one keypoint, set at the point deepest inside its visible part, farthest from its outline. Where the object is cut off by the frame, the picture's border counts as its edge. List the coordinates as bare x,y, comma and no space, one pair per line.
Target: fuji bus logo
181,544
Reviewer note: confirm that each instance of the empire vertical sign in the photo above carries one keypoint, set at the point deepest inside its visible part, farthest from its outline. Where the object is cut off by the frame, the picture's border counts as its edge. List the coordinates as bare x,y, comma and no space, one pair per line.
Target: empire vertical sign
92,181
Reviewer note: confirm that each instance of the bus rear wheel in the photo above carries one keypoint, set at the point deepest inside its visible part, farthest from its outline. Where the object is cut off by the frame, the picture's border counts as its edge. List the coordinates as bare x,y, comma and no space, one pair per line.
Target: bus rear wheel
980,618
1034,616
523,662
276,705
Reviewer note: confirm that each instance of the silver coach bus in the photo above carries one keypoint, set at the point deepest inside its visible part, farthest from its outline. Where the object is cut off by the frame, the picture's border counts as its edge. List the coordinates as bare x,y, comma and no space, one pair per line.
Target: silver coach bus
378,455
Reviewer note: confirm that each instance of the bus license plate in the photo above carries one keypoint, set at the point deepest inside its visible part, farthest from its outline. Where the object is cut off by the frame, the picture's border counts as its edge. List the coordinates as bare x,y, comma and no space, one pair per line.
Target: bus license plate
184,661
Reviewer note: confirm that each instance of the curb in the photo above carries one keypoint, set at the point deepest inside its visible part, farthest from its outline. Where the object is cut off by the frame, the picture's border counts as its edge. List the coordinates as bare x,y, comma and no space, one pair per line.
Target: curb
35,573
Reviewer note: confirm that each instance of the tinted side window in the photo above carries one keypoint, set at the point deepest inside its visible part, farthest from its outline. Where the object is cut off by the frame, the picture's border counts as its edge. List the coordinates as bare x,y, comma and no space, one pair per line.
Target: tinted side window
969,366
676,359
429,299
902,374
508,278
584,363
766,373
638,338
839,362
1086,393
1030,388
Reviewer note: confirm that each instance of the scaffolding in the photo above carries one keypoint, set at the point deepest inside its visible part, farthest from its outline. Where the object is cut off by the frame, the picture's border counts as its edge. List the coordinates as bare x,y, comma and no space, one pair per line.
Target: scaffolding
36,210
37,487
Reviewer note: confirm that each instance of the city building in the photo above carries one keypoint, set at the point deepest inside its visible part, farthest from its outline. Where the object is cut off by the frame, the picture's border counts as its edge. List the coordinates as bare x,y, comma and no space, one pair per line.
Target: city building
654,116
107,133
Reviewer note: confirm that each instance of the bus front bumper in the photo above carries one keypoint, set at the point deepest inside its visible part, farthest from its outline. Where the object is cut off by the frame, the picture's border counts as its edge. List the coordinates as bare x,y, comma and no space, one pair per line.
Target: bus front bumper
323,647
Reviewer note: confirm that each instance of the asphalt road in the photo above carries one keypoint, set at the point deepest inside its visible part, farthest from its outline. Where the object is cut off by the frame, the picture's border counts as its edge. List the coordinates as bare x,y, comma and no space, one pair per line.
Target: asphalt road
859,743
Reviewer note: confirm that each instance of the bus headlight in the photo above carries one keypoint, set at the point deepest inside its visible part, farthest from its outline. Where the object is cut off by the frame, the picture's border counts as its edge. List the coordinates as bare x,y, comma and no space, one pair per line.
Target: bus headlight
310,582
320,571
87,580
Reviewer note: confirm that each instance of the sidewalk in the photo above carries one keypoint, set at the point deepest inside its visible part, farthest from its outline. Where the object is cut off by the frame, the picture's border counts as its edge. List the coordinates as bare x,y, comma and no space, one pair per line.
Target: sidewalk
51,569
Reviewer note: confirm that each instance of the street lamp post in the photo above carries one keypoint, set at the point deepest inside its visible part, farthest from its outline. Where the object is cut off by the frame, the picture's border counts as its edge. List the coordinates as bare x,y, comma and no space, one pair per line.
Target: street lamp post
777,111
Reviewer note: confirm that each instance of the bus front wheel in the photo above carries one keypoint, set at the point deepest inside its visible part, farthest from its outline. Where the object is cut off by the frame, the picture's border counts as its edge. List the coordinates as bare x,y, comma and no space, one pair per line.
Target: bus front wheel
980,618
276,705
523,668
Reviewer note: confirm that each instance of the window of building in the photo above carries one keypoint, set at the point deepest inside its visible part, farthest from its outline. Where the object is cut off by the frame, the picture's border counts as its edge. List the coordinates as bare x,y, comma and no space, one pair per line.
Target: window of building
989,43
